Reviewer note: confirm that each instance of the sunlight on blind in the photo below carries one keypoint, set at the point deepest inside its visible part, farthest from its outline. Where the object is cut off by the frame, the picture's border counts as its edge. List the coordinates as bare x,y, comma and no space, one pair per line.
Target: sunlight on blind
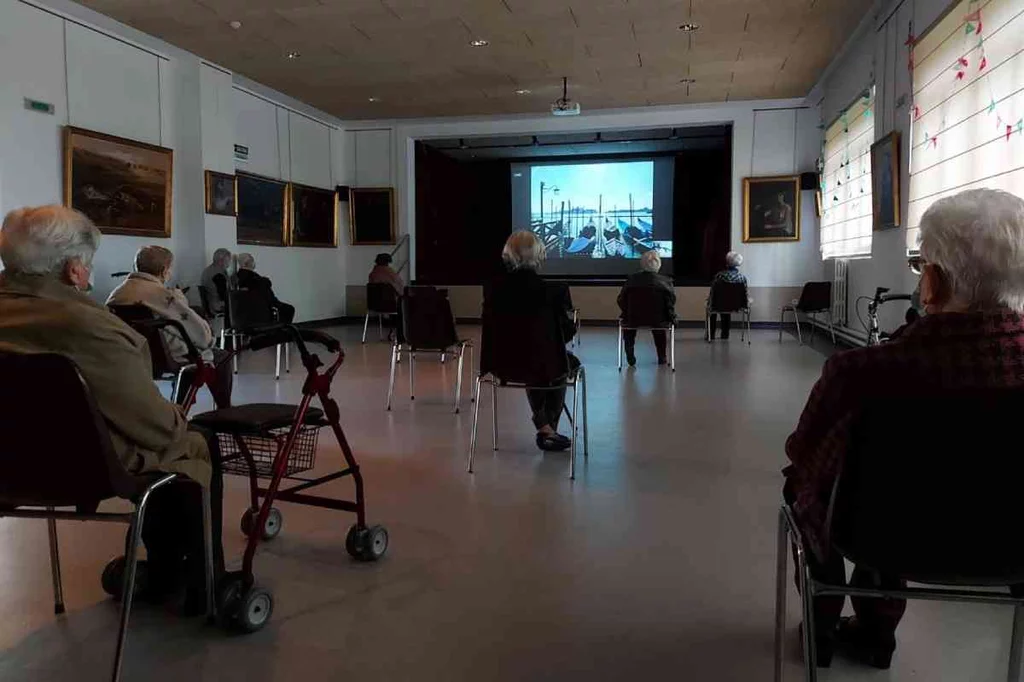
846,219
968,128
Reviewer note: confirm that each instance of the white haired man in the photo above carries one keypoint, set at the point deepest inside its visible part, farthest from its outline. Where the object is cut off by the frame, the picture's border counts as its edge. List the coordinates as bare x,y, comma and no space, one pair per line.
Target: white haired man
731,275
47,254
972,337
214,281
659,285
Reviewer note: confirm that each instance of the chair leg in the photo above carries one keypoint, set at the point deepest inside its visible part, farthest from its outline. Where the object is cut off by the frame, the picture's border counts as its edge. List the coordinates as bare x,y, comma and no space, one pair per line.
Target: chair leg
1016,642
366,324
222,346
380,326
494,415
781,550
476,421
458,381
810,648
58,584
412,376
472,398
395,350
575,429
799,336
750,339
586,433
443,356
211,587
831,327
234,350
277,367
128,591
707,326
672,346
287,359
620,346
782,322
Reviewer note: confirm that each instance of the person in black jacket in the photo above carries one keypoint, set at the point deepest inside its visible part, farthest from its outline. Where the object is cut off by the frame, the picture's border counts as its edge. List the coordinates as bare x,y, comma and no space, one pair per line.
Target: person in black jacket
542,312
248,278
663,297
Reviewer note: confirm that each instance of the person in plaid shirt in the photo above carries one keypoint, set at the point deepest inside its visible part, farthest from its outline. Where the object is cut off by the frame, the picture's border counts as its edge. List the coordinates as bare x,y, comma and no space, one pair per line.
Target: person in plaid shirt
972,289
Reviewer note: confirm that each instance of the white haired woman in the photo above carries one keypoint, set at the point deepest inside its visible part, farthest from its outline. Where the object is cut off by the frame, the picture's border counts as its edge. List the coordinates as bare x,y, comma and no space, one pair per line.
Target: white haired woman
520,292
659,285
971,338
48,254
731,275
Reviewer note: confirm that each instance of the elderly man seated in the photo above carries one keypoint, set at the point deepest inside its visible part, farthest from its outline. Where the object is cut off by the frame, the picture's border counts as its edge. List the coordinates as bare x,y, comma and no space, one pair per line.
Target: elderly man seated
47,254
249,279
972,337
650,280
147,286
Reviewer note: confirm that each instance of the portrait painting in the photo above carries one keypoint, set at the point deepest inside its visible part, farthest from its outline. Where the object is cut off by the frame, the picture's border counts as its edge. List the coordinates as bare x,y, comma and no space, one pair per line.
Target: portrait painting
372,215
885,181
123,186
221,195
314,216
262,211
771,209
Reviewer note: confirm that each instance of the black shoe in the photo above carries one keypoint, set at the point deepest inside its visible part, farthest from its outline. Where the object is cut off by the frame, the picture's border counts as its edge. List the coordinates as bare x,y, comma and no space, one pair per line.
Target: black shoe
631,358
824,646
862,645
554,442
662,361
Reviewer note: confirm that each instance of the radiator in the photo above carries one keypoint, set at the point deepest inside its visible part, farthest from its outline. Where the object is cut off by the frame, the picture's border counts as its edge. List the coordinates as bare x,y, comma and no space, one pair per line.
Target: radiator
839,291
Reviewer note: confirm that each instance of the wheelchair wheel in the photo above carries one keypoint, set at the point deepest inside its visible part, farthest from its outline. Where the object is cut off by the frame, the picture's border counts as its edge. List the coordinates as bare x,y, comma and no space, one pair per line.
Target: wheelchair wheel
271,529
112,579
367,544
241,609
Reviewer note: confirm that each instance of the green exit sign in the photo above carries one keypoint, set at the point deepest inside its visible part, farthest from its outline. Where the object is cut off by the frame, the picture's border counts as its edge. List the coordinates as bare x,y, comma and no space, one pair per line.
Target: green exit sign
41,107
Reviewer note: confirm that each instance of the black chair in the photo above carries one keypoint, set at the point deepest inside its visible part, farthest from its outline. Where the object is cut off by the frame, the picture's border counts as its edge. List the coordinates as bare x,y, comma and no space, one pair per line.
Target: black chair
816,297
43,468
728,298
521,352
145,322
247,310
938,505
207,308
381,300
646,308
428,326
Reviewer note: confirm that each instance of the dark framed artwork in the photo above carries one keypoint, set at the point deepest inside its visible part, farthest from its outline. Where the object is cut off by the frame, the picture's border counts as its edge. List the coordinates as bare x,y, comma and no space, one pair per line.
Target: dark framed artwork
123,186
221,194
314,216
372,214
262,211
771,209
885,181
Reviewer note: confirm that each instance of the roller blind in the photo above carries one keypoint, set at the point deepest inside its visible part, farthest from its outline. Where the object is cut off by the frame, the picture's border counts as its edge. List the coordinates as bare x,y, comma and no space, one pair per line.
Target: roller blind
846,219
968,108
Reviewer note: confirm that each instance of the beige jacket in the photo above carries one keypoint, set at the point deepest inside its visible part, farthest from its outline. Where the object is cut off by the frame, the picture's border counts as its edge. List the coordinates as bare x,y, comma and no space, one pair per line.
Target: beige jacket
40,314
141,288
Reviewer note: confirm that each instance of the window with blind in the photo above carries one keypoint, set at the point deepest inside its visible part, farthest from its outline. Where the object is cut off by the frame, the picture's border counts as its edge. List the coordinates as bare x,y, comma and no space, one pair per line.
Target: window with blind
846,219
968,109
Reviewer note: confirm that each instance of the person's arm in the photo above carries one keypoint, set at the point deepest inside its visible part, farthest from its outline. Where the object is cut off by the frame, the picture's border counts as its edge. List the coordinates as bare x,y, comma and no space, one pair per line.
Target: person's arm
621,300
831,397
195,326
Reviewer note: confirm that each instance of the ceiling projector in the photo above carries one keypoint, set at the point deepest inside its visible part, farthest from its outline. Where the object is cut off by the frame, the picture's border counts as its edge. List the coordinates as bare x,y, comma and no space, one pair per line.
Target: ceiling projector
563,106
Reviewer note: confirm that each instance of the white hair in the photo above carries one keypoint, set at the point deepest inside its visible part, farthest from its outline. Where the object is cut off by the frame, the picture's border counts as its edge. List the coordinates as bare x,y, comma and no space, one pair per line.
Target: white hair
42,240
977,239
153,260
221,256
246,261
650,261
523,249
734,259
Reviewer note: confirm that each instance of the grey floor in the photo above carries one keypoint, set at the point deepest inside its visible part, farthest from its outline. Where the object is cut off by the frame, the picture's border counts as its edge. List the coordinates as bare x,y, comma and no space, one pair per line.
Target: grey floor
657,563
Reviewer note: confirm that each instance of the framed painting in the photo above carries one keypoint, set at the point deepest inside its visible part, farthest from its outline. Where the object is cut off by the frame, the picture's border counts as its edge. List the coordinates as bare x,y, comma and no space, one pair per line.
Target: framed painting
885,181
221,194
372,214
123,186
262,211
314,216
771,209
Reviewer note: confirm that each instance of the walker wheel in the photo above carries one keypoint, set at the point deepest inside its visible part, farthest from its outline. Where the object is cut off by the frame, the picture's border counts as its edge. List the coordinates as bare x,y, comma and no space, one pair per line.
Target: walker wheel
271,529
112,579
367,544
241,609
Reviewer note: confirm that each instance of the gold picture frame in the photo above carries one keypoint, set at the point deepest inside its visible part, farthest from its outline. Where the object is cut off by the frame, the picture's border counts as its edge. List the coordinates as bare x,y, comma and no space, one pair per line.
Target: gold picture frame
221,200
367,209
263,208
308,207
123,186
771,209
885,182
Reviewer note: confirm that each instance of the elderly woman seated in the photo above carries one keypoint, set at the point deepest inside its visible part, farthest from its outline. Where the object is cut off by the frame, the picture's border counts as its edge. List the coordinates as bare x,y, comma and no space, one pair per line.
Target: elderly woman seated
47,254
731,275
147,286
520,292
658,285
971,337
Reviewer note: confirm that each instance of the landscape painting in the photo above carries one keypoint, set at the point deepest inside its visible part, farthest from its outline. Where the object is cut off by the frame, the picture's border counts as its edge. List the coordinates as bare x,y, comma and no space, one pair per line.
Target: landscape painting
314,216
123,186
262,211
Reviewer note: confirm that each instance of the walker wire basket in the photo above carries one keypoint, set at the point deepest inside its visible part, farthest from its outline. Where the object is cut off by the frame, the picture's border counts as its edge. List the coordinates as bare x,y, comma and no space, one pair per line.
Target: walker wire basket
263,449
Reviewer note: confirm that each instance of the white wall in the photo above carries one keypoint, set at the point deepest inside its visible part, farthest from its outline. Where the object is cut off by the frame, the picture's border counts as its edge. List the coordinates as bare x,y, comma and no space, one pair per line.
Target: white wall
878,54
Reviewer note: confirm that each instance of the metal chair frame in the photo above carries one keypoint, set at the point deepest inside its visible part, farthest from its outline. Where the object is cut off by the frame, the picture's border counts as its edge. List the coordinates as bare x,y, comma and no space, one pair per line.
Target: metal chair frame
789,533
459,349
671,329
744,327
577,325
380,323
576,380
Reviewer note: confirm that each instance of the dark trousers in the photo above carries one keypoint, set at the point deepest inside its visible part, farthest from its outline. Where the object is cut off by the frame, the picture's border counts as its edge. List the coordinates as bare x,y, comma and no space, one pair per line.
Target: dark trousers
660,341
285,312
173,529
222,386
546,404
726,321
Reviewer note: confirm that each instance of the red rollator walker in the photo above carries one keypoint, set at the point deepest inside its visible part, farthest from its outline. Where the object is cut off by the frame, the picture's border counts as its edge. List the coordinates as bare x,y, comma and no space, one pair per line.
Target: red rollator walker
277,442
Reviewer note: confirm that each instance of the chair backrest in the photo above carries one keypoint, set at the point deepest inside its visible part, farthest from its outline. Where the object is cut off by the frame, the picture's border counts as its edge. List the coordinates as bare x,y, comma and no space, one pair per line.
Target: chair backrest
930,489
427,320
815,297
523,348
381,297
55,449
647,307
163,364
728,297
248,309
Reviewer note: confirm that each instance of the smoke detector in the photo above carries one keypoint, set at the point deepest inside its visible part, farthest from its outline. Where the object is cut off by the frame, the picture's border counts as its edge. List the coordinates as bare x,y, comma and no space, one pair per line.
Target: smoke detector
564,106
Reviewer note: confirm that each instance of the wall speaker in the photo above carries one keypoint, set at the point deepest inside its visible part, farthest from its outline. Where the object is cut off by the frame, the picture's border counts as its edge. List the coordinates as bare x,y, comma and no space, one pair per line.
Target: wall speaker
808,181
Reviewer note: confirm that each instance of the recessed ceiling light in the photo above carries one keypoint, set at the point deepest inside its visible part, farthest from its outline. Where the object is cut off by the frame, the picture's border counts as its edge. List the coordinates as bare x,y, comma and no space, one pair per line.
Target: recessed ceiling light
687,81
236,24
522,91
294,54
373,99
689,27
479,43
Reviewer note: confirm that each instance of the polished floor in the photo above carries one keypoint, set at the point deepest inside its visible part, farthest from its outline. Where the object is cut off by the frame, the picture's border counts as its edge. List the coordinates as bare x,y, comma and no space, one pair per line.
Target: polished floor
657,563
